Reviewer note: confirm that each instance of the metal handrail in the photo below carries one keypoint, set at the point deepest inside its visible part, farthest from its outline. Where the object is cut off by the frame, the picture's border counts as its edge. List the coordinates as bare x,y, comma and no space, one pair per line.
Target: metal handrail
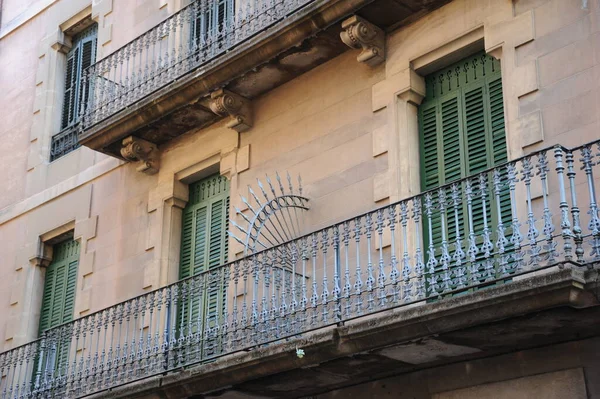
450,239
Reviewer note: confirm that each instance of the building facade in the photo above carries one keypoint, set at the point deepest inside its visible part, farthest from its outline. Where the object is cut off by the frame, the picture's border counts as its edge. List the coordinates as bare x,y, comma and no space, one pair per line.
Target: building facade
304,198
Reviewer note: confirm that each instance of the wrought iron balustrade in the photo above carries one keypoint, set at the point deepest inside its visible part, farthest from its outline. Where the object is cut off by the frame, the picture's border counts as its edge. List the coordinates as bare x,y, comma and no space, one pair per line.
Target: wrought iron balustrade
187,40
531,214
63,143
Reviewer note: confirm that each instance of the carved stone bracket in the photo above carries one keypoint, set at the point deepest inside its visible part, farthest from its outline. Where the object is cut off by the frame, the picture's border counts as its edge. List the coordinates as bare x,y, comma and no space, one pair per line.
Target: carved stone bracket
136,149
226,103
358,33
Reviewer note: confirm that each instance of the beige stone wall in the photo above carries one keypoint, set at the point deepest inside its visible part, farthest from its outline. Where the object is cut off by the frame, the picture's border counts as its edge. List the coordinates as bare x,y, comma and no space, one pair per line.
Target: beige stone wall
567,370
349,130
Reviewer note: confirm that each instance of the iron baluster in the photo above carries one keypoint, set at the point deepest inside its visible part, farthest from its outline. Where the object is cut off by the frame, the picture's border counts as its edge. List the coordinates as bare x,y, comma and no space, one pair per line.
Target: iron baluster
516,238
487,246
532,232
358,284
381,264
444,255
594,223
459,253
432,262
501,240
419,265
577,232
472,251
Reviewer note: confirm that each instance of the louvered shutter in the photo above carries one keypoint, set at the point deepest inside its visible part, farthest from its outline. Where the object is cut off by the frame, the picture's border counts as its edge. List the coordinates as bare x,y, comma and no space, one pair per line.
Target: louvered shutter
204,247
58,300
461,123
81,56
69,103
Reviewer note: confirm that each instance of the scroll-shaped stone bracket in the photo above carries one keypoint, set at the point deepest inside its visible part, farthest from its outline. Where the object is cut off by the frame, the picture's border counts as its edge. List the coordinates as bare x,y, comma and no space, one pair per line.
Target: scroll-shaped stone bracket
238,108
358,33
136,149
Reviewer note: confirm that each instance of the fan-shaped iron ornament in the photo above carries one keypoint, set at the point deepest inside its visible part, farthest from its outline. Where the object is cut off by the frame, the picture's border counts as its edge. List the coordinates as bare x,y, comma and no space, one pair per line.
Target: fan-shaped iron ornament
274,219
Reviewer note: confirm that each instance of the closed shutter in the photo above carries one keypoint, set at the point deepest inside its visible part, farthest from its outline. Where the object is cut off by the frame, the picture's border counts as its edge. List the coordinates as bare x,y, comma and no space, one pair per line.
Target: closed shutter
204,247
59,288
462,133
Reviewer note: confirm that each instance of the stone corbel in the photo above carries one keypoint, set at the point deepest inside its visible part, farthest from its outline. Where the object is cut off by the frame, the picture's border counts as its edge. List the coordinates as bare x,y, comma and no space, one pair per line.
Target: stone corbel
136,149
358,33
226,103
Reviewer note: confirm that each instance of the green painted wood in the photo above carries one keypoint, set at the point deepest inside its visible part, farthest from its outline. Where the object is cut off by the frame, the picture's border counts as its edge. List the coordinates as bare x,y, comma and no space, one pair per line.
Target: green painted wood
462,132
81,56
204,247
58,300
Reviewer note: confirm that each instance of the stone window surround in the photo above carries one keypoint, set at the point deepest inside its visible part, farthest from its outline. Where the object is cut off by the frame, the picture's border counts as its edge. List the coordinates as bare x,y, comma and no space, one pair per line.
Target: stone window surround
49,93
168,199
400,94
36,255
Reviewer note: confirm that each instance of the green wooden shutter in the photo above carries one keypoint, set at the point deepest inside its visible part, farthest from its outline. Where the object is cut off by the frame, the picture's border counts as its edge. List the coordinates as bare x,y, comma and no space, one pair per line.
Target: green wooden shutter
204,247
461,121
81,56
58,300
68,111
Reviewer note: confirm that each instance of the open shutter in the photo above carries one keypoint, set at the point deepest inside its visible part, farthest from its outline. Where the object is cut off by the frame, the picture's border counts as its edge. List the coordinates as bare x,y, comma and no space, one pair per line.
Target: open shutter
81,56
68,112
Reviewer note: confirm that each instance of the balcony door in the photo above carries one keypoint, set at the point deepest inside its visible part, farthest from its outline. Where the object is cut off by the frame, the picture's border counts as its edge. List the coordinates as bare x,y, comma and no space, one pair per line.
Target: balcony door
58,306
462,133
212,22
204,247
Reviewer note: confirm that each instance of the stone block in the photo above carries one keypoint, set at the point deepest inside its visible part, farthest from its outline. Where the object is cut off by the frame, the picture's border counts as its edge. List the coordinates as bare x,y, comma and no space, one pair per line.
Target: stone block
380,140
524,79
555,14
513,32
242,162
529,128
381,186
86,263
566,61
84,301
86,229
557,385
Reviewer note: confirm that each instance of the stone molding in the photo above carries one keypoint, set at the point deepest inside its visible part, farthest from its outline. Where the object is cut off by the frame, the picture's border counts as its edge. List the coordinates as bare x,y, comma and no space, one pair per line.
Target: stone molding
360,34
142,151
238,108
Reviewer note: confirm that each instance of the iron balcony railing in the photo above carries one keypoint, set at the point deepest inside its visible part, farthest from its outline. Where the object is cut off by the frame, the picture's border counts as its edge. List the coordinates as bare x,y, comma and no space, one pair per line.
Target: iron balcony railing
190,38
497,226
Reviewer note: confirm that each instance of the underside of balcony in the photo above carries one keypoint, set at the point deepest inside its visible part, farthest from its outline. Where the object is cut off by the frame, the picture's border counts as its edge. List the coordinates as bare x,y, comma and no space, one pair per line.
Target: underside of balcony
281,51
556,306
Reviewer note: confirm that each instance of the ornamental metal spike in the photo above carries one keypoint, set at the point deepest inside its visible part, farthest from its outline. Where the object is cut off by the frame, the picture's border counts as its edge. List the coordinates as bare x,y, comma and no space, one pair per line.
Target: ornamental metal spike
272,220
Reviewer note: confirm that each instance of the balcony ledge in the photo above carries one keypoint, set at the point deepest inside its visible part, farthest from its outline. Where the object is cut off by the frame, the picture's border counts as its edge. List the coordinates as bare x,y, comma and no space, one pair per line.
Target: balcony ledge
539,310
302,41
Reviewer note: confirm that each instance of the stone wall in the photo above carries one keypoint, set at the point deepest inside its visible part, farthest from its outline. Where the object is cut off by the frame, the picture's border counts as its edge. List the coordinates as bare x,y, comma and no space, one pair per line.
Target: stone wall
348,129
561,371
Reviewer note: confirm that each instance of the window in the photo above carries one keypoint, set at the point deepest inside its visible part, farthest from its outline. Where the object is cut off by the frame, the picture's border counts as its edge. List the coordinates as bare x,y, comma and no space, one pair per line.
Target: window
204,247
462,133
59,288
58,305
81,56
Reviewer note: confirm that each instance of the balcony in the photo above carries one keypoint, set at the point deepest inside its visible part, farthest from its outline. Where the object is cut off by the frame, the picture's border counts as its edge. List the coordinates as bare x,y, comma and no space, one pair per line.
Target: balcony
159,85
512,251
